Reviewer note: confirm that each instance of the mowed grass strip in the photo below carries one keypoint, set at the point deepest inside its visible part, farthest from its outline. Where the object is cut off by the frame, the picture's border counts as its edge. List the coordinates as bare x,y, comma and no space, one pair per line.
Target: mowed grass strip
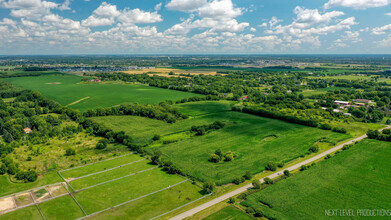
30,212
100,166
116,192
357,178
112,174
154,205
61,208
229,212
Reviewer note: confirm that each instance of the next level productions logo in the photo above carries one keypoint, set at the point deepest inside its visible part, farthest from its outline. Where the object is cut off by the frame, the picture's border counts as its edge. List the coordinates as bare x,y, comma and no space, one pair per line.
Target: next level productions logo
358,212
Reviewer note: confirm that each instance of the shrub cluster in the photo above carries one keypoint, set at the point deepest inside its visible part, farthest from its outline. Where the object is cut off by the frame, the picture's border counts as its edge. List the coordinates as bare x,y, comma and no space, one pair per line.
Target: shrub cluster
163,112
109,134
276,115
203,129
198,98
219,156
385,135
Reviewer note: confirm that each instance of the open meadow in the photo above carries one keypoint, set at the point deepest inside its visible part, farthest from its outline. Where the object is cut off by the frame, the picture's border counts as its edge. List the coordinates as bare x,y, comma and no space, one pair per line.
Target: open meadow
357,77
255,140
357,178
69,90
309,93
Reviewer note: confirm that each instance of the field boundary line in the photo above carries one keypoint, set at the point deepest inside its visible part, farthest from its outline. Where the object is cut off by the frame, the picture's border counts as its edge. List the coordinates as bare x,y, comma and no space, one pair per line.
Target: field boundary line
66,182
40,211
113,168
72,168
36,205
78,204
132,200
33,203
112,180
33,189
181,206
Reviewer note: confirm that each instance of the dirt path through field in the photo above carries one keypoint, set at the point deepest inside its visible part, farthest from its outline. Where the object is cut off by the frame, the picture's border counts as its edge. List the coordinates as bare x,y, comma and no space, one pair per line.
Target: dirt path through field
80,100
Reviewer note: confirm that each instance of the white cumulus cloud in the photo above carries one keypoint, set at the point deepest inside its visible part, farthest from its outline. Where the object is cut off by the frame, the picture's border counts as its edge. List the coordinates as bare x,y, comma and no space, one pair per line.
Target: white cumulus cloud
357,4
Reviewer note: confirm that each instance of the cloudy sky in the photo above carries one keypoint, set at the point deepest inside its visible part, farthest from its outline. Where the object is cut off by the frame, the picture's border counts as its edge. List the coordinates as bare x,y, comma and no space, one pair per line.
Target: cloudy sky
195,26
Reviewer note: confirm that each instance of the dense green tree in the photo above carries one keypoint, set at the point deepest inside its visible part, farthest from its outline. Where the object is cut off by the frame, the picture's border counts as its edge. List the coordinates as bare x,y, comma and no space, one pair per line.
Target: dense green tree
268,180
256,184
248,175
209,186
272,166
70,152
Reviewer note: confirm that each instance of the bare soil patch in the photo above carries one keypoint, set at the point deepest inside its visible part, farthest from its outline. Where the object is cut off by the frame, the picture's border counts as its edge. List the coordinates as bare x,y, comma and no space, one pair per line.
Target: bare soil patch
7,204
54,83
23,199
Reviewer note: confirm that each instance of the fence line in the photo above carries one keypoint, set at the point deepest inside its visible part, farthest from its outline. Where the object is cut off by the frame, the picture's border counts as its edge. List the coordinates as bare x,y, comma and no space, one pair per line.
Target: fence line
180,207
91,174
72,168
124,203
132,174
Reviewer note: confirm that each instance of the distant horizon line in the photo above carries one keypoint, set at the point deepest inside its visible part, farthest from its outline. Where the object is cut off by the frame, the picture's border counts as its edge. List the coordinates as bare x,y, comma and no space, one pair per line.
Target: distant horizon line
184,54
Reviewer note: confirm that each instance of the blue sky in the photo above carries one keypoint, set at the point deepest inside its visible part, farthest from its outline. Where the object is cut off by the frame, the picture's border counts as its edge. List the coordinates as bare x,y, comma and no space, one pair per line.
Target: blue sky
195,26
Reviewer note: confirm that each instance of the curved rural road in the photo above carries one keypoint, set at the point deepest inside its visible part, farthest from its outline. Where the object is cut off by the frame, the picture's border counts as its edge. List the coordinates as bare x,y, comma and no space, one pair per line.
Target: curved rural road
271,176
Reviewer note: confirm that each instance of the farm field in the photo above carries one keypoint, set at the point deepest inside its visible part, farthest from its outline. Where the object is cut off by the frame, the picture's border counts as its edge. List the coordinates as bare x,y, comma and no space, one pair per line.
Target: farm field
356,178
355,77
68,89
229,212
129,181
308,93
165,71
244,134
142,129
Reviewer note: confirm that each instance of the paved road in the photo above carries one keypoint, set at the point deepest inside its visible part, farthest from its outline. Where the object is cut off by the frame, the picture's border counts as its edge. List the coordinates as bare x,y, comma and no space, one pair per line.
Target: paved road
271,176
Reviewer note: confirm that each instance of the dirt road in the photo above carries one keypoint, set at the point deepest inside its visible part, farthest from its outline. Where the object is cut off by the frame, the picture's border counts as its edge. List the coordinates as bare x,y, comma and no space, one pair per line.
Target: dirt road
271,176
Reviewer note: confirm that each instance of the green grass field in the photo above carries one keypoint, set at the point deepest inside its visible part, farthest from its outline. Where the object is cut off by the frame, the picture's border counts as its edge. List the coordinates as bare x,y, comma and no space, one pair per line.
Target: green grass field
229,213
25,213
308,93
147,189
131,185
125,189
8,187
154,205
194,109
244,134
103,165
112,174
61,208
142,129
67,89
356,77
357,178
